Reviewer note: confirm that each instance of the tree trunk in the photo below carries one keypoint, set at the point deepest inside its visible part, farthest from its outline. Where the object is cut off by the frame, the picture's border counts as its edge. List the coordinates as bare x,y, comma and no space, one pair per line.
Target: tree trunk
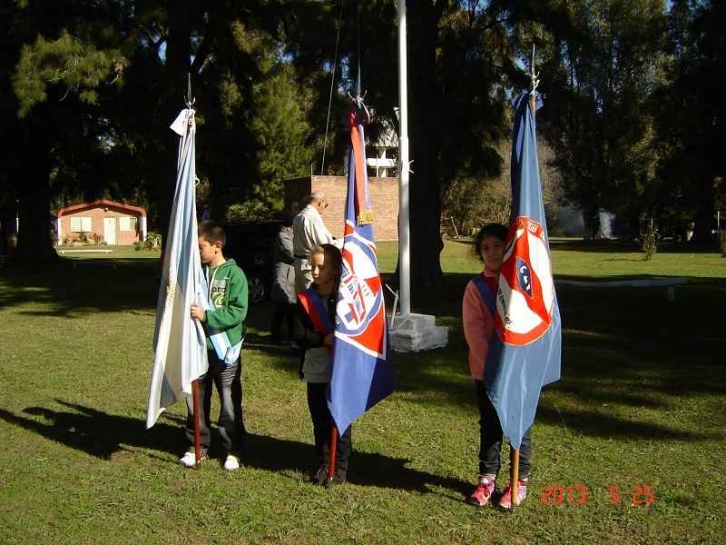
591,219
35,244
705,207
425,193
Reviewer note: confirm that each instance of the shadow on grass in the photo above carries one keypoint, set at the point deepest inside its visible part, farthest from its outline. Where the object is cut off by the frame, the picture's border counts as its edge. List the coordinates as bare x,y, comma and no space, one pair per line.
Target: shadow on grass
366,468
629,348
95,432
600,424
611,246
72,286
101,435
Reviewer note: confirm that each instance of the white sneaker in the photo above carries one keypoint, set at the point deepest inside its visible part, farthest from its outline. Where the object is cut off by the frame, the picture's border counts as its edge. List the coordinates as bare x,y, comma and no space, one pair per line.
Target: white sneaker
189,459
231,463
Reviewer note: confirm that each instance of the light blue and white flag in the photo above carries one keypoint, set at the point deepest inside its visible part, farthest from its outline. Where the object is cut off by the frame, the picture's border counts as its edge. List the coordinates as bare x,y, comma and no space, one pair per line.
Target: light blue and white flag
180,352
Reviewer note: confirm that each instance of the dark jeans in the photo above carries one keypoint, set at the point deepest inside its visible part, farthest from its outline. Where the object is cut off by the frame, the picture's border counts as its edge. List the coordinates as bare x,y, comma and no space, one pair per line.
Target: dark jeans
227,380
282,321
491,438
323,424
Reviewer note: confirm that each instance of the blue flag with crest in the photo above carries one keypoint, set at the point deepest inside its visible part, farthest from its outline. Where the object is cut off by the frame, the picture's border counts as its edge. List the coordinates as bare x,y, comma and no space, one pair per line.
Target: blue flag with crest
525,350
362,369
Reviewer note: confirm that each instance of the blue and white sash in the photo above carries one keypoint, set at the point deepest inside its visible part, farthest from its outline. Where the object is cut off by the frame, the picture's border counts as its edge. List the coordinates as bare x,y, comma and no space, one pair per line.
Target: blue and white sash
220,341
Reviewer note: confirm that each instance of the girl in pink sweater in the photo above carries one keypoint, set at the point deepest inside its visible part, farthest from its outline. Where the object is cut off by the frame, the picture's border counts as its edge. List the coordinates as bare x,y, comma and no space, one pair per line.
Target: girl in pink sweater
478,316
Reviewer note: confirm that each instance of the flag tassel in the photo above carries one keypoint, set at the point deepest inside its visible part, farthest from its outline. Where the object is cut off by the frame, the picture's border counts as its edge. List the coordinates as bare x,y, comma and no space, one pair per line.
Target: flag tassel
333,453
197,424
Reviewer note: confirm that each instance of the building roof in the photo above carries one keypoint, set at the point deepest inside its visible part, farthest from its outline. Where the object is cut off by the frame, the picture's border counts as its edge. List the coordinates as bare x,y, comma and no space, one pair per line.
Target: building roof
136,210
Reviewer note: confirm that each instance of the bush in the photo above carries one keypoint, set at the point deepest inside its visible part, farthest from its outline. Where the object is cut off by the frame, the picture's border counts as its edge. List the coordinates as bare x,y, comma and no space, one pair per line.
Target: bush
153,240
138,245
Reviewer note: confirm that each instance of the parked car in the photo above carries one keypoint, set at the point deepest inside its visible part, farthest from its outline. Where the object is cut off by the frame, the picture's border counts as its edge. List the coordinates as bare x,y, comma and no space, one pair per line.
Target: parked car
252,246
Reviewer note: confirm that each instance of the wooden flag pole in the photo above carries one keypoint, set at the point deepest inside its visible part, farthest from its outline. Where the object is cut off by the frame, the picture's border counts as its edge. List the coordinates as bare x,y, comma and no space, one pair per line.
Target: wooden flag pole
515,478
197,425
333,453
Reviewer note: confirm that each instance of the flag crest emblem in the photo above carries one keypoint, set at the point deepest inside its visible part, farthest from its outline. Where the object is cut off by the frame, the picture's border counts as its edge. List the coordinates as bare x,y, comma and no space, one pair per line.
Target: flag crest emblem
360,308
526,294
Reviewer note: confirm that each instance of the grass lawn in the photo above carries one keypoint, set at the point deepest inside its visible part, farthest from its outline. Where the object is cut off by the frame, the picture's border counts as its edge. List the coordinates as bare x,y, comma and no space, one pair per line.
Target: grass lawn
639,414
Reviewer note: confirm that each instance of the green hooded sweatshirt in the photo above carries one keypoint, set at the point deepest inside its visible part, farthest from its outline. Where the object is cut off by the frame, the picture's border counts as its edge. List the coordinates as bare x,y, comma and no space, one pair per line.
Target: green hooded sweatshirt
228,294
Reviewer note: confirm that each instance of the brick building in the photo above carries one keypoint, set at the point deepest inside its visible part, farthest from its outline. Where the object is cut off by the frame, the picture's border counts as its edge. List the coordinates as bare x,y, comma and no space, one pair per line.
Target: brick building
384,199
112,222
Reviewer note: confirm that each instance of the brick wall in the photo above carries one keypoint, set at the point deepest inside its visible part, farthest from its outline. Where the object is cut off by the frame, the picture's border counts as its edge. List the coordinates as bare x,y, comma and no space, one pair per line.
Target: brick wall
384,198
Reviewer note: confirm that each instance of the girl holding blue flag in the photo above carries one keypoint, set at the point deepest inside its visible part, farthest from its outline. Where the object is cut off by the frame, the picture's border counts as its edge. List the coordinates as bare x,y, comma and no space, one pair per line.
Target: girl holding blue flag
314,328
478,310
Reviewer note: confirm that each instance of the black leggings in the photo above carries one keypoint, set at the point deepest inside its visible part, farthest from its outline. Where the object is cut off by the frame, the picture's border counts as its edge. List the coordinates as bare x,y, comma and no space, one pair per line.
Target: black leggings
491,438
323,424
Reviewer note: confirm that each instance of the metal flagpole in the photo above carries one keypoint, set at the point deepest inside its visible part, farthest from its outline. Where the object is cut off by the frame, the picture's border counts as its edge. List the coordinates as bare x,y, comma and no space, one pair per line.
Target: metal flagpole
404,268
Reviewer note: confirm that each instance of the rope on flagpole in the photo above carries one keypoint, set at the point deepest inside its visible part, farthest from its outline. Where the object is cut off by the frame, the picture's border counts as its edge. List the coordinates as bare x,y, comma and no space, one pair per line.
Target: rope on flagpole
332,85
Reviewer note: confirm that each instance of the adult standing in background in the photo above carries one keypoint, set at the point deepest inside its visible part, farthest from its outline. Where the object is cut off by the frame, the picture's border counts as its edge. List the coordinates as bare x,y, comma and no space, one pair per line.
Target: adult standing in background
283,289
309,232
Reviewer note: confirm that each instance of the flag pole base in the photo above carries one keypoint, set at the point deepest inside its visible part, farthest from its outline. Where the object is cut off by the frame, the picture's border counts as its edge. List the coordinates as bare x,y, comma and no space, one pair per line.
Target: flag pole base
416,332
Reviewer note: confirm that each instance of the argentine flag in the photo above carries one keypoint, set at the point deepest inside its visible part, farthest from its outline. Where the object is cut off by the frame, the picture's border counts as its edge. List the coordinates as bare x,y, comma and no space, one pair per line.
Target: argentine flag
180,353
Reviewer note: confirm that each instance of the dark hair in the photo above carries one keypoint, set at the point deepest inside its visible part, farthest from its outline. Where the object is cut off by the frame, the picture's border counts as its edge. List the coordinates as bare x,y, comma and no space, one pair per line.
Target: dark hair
331,253
212,232
496,230
287,221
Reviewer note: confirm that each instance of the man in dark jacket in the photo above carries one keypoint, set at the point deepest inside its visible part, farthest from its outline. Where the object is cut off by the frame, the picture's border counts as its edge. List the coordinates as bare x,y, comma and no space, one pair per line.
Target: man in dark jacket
283,289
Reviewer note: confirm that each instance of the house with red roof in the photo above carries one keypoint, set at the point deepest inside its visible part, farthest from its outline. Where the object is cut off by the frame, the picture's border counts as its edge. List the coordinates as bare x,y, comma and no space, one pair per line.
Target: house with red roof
106,221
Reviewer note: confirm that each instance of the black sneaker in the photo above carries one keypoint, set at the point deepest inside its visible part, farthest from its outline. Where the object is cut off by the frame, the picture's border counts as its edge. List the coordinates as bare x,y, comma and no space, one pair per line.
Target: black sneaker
321,475
340,477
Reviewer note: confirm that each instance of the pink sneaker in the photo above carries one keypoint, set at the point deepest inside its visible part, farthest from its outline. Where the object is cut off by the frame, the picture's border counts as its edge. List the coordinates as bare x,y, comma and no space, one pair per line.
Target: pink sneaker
482,493
505,502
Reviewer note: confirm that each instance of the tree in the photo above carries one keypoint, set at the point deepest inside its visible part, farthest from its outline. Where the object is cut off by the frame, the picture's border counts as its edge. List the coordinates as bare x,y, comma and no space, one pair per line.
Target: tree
96,86
456,94
457,51
692,116
601,62
54,74
472,202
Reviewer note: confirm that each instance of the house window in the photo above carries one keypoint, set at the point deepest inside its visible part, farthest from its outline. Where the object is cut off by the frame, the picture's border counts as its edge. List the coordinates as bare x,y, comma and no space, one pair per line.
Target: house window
80,224
127,224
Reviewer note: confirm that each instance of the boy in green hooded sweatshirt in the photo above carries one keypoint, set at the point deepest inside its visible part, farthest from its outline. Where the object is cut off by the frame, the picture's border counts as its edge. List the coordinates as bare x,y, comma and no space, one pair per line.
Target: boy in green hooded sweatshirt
225,327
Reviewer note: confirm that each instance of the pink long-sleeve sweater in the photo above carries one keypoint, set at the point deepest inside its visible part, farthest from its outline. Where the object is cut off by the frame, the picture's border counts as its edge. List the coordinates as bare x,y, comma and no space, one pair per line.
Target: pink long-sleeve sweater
478,324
